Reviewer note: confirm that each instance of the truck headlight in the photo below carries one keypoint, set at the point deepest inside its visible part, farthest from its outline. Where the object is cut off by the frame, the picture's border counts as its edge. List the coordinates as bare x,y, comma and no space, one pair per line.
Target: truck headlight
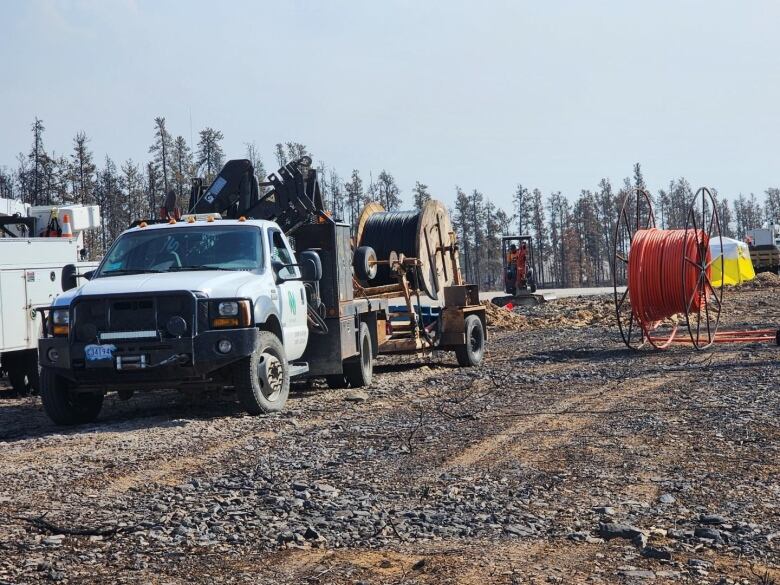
227,314
60,320
227,308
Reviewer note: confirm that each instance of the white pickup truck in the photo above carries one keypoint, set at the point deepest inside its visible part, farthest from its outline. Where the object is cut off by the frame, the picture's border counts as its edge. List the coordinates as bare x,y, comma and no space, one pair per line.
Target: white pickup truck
194,303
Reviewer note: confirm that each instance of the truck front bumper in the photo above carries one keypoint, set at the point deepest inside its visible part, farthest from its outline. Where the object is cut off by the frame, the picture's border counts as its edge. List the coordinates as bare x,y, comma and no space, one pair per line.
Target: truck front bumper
148,363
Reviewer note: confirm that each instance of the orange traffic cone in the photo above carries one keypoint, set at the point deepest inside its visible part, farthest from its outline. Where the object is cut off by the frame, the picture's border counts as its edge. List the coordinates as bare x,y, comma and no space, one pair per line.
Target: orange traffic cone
67,231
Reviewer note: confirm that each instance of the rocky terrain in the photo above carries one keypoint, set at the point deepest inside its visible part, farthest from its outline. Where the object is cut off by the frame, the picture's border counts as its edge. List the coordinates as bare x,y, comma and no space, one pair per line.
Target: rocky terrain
566,458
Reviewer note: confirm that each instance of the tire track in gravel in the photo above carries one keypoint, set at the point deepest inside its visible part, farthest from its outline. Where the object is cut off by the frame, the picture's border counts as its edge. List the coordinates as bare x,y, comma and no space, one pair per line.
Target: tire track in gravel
315,412
447,561
118,456
312,411
172,473
507,443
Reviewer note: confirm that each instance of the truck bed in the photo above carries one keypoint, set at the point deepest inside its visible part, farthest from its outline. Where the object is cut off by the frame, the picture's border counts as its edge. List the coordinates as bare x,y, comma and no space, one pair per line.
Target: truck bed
765,258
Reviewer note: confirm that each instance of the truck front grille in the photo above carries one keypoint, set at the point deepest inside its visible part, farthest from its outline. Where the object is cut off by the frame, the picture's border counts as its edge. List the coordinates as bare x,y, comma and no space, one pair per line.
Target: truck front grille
115,319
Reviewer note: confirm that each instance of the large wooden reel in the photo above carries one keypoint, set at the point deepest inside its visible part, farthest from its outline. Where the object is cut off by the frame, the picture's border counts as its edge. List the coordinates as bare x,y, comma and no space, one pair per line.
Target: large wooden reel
432,243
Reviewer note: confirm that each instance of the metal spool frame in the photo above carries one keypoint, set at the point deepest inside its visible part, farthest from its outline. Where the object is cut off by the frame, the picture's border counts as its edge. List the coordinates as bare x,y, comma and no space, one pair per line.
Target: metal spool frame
695,225
636,213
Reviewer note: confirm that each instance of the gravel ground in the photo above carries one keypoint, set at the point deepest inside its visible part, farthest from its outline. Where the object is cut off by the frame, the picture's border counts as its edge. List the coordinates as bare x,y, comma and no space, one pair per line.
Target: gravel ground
564,459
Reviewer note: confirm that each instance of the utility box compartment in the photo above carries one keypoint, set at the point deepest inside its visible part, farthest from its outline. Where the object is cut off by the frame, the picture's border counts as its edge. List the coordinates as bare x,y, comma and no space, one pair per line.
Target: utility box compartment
30,277
332,243
461,295
327,352
13,310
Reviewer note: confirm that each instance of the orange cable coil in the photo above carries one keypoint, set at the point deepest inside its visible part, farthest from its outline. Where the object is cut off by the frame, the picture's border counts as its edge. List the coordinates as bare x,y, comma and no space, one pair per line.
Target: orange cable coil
655,285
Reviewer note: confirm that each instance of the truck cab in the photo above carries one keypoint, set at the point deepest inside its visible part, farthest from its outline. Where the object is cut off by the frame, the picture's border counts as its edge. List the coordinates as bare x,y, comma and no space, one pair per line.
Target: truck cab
194,303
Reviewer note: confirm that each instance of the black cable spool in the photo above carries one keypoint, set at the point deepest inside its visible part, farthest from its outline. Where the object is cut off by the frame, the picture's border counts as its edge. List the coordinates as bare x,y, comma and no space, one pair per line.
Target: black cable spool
391,231
425,235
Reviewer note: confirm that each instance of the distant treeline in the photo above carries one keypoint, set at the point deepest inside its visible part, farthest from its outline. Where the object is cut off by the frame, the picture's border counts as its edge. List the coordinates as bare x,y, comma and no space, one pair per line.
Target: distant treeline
572,237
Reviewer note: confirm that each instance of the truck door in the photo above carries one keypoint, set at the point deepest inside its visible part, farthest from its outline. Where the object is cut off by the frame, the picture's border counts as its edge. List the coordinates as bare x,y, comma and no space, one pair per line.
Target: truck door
291,296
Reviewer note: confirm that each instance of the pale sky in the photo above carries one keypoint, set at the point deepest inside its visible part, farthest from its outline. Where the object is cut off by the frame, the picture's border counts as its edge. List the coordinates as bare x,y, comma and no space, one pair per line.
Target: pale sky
485,94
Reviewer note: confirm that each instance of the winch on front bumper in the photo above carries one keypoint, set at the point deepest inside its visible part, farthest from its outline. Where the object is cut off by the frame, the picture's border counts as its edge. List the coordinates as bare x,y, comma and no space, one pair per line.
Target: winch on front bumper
145,340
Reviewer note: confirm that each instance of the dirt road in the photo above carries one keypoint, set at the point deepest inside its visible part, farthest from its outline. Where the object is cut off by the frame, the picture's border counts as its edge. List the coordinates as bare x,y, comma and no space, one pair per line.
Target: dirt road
565,459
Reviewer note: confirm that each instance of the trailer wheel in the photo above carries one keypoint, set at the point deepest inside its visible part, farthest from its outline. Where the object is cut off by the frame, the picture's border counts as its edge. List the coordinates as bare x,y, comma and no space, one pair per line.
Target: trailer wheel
262,380
64,406
336,381
359,370
471,353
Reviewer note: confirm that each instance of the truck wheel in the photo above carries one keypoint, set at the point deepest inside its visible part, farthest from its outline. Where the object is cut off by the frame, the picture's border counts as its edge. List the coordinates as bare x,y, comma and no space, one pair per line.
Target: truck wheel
22,370
19,380
359,370
34,380
33,372
471,353
262,380
336,381
64,406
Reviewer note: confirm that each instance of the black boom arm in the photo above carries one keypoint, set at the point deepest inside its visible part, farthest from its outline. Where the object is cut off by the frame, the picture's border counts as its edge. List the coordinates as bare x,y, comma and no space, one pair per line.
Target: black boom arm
294,198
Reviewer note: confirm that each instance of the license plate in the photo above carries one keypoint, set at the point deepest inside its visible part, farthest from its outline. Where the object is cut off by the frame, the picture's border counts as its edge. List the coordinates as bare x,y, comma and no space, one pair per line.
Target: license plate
97,353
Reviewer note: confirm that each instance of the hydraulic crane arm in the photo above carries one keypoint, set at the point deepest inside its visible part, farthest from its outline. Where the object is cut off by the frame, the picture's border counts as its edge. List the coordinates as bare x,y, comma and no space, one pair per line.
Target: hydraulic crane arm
294,198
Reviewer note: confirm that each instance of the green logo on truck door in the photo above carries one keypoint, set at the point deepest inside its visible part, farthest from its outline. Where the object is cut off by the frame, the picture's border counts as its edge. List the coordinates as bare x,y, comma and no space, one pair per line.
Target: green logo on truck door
293,302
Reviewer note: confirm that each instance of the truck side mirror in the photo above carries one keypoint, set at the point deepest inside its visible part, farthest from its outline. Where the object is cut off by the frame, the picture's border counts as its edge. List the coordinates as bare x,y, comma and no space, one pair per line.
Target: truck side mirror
311,266
284,272
68,277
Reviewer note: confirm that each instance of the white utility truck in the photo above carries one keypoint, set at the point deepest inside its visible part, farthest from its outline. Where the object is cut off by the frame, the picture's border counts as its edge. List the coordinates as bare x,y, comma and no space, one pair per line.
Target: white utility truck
170,306
216,299
33,271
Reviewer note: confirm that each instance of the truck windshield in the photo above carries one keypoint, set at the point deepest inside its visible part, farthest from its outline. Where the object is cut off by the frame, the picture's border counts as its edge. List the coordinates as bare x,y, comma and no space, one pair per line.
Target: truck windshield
185,248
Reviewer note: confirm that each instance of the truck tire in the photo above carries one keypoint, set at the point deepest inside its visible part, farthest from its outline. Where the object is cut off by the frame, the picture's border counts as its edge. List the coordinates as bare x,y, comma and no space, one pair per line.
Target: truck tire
22,369
34,376
19,380
336,381
359,370
65,407
471,353
262,380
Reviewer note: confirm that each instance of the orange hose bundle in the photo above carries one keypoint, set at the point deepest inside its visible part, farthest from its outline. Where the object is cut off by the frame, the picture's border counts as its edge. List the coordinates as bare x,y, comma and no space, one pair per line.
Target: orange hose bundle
660,283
